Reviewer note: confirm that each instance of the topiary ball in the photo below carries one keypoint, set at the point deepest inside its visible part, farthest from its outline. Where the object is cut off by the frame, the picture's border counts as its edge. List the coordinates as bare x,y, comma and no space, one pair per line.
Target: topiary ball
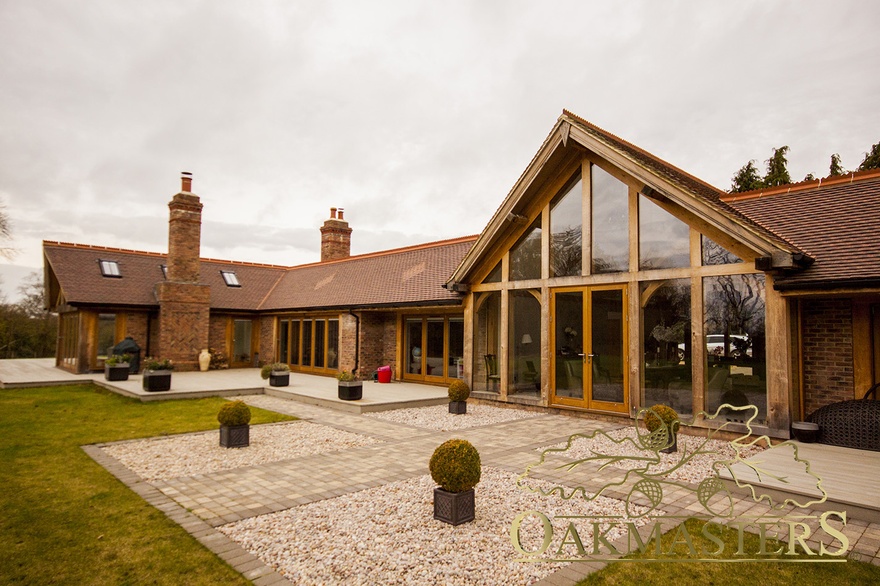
459,390
661,415
455,465
234,413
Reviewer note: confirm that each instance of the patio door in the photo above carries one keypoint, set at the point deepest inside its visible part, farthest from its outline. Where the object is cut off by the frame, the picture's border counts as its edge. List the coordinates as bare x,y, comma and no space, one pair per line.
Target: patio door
242,341
588,351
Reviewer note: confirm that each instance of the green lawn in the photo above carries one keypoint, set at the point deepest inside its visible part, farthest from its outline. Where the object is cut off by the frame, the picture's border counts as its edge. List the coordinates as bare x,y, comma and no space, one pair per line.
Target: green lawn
725,573
65,520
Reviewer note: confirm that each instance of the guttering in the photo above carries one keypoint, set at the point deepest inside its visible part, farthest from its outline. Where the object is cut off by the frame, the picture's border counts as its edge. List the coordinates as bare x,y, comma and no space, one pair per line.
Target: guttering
825,285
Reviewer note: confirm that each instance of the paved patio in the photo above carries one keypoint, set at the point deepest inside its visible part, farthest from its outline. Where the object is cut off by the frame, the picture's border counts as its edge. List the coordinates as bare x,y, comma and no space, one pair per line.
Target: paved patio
305,388
201,503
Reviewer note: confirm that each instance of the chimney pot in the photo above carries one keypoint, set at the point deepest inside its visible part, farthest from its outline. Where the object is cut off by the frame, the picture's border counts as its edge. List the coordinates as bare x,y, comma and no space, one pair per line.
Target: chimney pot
332,213
340,213
186,181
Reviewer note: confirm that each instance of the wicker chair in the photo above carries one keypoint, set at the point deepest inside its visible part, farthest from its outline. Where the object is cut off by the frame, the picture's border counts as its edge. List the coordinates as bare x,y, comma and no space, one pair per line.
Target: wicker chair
850,424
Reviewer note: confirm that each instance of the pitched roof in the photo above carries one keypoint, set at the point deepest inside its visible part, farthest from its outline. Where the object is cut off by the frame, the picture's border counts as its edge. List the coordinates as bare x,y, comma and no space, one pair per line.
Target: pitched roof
834,220
697,201
405,276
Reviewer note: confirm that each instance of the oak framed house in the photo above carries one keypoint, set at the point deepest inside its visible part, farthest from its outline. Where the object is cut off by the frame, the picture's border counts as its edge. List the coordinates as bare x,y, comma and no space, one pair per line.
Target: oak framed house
608,280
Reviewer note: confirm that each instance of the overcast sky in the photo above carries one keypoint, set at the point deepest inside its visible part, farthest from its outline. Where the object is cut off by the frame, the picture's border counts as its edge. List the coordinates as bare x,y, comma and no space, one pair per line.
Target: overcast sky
416,117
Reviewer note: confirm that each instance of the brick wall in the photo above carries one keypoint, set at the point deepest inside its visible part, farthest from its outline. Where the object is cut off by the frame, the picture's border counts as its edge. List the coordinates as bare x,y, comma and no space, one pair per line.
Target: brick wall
335,239
267,339
378,342
136,326
184,238
184,317
827,352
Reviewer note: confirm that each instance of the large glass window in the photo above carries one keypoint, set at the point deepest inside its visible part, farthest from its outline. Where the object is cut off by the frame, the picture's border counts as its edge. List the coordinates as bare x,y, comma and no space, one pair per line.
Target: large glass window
283,340
736,365
241,341
106,335
333,344
715,254
413,357
666,344
294,342
525,343
487,338
307,342
664,240
566,230
455,348
610,225
525,256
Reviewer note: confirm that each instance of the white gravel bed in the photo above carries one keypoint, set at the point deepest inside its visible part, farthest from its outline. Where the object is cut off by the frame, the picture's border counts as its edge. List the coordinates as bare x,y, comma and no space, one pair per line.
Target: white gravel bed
696,469
200,453
388,535
439,418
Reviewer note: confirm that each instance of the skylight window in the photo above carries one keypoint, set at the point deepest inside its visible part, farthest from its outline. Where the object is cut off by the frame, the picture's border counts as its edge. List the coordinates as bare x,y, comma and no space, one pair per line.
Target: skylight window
110,268
230,278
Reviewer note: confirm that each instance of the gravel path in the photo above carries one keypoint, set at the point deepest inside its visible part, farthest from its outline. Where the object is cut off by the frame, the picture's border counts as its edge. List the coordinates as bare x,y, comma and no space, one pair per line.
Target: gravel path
388,535
200,453
438,417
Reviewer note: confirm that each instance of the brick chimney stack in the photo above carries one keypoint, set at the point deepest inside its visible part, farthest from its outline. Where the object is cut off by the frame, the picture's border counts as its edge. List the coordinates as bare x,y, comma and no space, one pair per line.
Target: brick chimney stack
335,237
184,302
184,234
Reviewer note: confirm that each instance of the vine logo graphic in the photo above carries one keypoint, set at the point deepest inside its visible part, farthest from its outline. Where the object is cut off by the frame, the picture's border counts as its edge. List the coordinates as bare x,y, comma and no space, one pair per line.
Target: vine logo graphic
632,475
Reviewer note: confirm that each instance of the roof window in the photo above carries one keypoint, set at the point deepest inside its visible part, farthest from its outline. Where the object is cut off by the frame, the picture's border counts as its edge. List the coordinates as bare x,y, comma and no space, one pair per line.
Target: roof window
230,278
110,268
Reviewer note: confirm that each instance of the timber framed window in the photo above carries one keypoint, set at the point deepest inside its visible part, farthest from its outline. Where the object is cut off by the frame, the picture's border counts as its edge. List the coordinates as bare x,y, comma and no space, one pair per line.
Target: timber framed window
309,344
433,347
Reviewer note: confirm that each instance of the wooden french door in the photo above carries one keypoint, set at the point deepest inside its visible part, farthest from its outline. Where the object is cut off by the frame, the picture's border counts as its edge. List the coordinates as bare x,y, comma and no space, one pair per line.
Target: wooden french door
588,348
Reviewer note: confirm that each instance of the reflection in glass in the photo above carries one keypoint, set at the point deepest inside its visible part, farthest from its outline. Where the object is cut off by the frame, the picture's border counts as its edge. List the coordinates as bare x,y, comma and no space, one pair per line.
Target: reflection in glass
569,336
241,342
106,335
434,355
610,223
455,348
664,240
715,254
283,338
566,231
736,366
487,335
525,342
294,342
525,256
414,345
320,331
495,275
307,342
666,344
606,316
333,343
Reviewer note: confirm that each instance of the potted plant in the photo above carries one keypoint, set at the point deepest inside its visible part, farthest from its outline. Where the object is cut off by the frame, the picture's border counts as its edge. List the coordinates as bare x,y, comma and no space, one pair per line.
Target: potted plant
455,466
116,367
157,374
350,387
459,391
278,374
234,418
665,418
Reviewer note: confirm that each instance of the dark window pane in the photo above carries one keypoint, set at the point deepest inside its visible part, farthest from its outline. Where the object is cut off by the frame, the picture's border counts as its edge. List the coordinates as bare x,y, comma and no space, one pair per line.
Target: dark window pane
494,276
333,343
487,333
455,348
525,342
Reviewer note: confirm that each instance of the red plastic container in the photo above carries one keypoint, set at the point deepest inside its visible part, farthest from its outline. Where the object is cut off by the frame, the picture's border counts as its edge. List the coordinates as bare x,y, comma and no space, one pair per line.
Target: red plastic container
384,374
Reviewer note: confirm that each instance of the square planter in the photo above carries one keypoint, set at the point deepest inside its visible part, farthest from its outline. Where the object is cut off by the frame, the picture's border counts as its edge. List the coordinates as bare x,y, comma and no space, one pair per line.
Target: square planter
351,390
279,379
157,380
116,372
458,407
235,436
454,508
